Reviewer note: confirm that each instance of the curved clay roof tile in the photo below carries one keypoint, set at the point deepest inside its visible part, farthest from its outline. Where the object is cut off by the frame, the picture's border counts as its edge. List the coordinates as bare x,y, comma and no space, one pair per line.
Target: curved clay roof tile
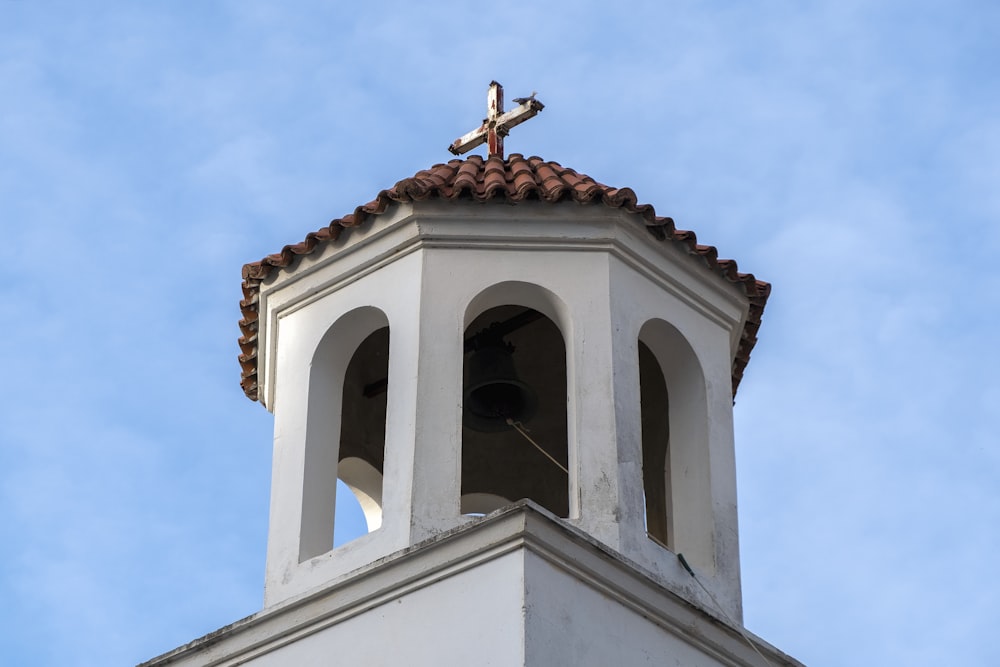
515,180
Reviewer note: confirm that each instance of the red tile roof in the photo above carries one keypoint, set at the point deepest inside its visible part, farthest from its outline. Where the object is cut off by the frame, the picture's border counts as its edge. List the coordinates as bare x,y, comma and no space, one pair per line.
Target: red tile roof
513,180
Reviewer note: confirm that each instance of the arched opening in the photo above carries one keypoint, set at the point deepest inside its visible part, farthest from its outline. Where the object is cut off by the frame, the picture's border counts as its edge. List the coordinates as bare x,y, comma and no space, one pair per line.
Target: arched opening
345,426
676,480
655,411
514,435
361,456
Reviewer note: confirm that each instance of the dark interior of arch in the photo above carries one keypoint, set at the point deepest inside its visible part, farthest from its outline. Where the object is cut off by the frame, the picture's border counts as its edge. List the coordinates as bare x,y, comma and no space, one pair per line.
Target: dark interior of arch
498,459
655,447
362,429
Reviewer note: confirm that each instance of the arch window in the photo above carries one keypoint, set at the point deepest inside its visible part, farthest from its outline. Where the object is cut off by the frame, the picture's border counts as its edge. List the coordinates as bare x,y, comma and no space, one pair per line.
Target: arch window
514,435
675,444
655,411
361,455
345,429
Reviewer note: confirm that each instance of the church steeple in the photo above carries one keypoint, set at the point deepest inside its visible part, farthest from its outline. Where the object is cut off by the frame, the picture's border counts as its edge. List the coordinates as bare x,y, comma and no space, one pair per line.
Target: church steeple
628,337
526,378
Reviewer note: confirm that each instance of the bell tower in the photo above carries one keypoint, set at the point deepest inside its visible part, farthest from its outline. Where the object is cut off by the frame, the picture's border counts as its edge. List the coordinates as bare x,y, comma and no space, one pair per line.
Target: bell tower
526,378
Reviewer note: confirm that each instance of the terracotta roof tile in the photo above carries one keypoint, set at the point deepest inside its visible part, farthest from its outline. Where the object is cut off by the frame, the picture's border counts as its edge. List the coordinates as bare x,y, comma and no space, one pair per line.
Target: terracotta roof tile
515,180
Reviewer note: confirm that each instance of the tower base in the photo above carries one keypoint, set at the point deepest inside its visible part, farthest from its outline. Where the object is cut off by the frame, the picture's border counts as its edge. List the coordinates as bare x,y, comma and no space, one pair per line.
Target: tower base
518,587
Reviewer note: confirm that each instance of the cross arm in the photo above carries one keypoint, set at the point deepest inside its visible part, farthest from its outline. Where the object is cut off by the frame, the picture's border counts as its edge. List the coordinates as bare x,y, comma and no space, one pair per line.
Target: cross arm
470,140
519,114
497,124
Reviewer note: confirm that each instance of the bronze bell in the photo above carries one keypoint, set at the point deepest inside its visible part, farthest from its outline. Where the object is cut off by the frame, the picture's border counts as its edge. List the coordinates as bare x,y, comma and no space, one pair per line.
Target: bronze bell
493,392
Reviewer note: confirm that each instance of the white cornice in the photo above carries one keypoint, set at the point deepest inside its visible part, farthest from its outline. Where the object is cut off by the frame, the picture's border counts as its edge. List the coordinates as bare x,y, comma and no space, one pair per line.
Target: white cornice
522,526
527,227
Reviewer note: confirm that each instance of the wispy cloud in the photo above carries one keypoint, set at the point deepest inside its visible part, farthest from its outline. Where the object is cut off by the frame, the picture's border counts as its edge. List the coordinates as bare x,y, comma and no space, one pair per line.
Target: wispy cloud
847,152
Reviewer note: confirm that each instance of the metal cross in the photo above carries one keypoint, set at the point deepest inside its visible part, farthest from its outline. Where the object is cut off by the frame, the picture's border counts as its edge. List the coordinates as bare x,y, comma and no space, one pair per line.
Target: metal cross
497,124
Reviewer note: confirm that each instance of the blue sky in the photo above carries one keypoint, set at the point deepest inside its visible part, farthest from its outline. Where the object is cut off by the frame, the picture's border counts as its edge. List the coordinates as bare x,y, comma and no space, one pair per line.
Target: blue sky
848,152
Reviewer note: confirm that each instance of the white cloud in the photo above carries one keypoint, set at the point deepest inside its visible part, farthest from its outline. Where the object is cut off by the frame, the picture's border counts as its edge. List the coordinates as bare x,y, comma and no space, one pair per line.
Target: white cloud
845,151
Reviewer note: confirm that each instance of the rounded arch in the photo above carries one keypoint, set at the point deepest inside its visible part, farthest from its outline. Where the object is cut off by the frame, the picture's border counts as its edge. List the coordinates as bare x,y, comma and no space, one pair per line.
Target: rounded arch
525,294
335,353
654,406
675,444
515,396
684,378
338,344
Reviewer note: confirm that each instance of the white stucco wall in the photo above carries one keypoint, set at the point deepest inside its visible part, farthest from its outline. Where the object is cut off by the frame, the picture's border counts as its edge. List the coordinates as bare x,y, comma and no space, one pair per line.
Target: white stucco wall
600,277
571,623
516,588
473,618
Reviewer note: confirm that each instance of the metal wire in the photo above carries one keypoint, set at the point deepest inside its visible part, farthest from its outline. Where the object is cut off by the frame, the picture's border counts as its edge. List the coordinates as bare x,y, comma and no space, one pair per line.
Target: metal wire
738,626
519,427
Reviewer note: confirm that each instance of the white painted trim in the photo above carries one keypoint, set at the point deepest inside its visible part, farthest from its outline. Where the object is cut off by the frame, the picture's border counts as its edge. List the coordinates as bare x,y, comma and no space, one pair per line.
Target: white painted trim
412,227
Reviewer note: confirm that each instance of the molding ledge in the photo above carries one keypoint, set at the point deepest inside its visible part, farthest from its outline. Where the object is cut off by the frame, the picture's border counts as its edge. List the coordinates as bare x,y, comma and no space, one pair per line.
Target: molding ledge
521,526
